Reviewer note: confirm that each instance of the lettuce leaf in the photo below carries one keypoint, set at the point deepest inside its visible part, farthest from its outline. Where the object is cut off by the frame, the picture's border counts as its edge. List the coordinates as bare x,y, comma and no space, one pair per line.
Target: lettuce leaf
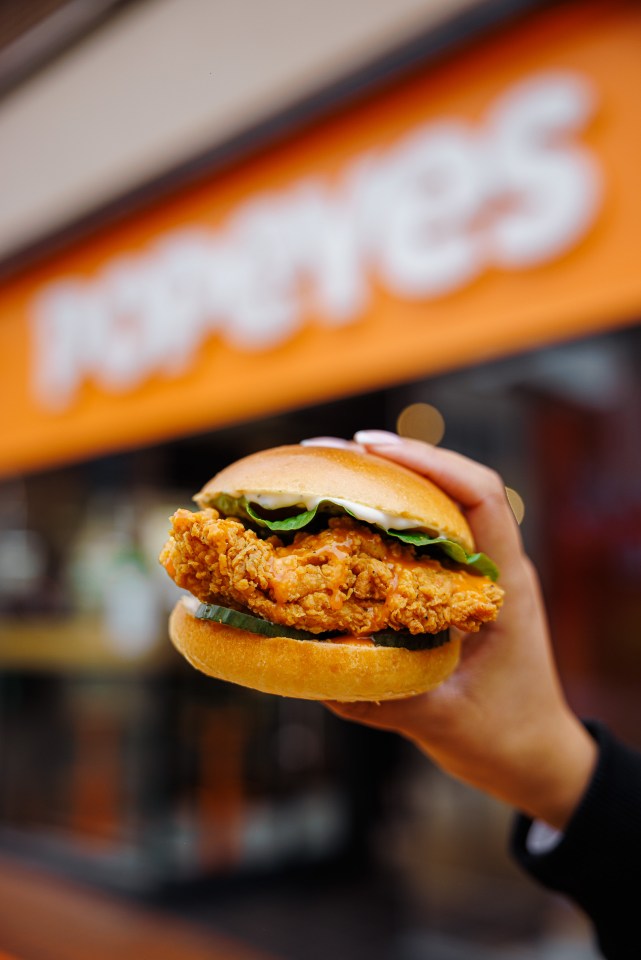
479,561
240,507
296,522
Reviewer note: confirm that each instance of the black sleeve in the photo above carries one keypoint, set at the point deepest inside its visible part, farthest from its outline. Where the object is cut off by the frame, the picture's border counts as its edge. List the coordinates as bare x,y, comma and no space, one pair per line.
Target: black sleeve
597,862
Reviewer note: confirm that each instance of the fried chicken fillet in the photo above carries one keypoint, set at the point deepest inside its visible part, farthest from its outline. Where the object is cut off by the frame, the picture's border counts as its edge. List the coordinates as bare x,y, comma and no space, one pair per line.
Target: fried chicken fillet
346,577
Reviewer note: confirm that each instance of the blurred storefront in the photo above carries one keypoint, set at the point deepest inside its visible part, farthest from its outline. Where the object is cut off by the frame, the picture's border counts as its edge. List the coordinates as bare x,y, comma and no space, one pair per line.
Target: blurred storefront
455,224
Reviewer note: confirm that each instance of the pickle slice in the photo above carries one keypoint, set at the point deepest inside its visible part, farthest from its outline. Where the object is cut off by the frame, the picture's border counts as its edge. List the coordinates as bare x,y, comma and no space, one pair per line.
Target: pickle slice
384,638
410,641
245,621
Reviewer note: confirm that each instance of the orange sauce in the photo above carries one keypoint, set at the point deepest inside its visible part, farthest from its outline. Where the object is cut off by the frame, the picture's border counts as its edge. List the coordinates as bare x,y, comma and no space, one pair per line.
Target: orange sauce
336,544
349,638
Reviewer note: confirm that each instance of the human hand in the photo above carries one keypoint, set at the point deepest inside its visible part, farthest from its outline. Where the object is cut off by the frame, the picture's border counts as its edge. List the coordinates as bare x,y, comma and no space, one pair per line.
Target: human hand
500,722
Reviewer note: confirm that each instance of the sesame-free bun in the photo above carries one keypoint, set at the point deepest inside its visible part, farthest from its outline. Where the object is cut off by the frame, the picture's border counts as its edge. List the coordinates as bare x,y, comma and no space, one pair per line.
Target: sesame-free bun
332,472
308,669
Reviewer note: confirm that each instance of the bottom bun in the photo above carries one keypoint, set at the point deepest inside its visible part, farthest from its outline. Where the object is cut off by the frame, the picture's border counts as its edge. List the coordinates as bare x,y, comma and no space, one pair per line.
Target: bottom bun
308,669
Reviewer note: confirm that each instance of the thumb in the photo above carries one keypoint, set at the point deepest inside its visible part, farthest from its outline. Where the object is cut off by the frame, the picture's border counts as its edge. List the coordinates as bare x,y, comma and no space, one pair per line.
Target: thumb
397,715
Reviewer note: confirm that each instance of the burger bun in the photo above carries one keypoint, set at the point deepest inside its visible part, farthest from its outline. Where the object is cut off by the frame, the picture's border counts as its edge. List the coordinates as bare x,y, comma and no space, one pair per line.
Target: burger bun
308,669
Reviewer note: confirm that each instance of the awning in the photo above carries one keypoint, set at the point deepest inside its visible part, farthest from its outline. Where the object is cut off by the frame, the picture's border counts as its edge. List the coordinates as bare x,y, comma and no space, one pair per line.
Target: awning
483,206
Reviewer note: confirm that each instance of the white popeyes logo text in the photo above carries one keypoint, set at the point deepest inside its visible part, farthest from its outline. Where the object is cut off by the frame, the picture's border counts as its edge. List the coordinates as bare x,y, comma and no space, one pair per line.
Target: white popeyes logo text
425,217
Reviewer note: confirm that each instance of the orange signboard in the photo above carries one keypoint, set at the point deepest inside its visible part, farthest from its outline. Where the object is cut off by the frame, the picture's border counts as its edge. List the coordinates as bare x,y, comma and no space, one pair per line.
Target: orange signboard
486,205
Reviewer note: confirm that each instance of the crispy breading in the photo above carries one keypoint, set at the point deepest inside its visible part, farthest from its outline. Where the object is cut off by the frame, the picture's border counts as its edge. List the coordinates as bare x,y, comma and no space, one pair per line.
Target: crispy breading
345,578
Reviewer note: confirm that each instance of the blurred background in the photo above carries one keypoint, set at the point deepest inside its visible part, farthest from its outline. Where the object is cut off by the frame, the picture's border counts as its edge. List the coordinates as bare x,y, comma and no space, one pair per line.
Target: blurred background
231,226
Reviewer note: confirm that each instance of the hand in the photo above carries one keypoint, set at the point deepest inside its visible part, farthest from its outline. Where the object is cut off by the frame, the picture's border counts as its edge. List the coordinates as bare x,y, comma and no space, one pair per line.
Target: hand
500,722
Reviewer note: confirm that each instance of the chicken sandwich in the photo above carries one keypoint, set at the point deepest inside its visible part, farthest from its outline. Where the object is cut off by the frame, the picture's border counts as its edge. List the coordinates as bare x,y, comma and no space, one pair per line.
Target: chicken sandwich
326,574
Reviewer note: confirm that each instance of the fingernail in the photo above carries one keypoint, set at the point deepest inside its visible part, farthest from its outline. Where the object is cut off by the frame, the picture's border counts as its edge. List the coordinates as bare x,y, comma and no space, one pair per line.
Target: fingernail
376,436
326,442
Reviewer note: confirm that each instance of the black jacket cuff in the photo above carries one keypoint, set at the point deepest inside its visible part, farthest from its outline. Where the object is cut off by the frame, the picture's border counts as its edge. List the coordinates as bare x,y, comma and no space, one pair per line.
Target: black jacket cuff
597,862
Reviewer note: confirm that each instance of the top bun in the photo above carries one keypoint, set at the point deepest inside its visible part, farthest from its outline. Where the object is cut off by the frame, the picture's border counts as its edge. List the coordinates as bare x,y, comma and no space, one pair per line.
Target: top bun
342,473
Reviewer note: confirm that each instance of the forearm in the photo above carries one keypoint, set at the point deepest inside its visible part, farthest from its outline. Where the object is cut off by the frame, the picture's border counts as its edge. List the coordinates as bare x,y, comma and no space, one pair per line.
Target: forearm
550,783
542,772
546,777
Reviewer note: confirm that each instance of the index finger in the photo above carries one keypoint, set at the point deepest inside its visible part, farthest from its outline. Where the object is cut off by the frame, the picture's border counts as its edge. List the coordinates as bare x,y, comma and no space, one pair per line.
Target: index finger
477,488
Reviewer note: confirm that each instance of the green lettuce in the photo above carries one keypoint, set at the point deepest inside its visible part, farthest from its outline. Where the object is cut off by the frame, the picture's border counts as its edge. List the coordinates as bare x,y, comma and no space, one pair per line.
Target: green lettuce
240,507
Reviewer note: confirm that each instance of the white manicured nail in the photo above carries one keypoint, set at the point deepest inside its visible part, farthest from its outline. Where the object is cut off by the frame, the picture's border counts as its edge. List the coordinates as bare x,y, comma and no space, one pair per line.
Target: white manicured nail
376,437
326,442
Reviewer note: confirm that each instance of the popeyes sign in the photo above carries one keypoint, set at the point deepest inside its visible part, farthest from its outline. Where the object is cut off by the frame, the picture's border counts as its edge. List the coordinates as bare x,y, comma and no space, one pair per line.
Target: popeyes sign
484,205
446,202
